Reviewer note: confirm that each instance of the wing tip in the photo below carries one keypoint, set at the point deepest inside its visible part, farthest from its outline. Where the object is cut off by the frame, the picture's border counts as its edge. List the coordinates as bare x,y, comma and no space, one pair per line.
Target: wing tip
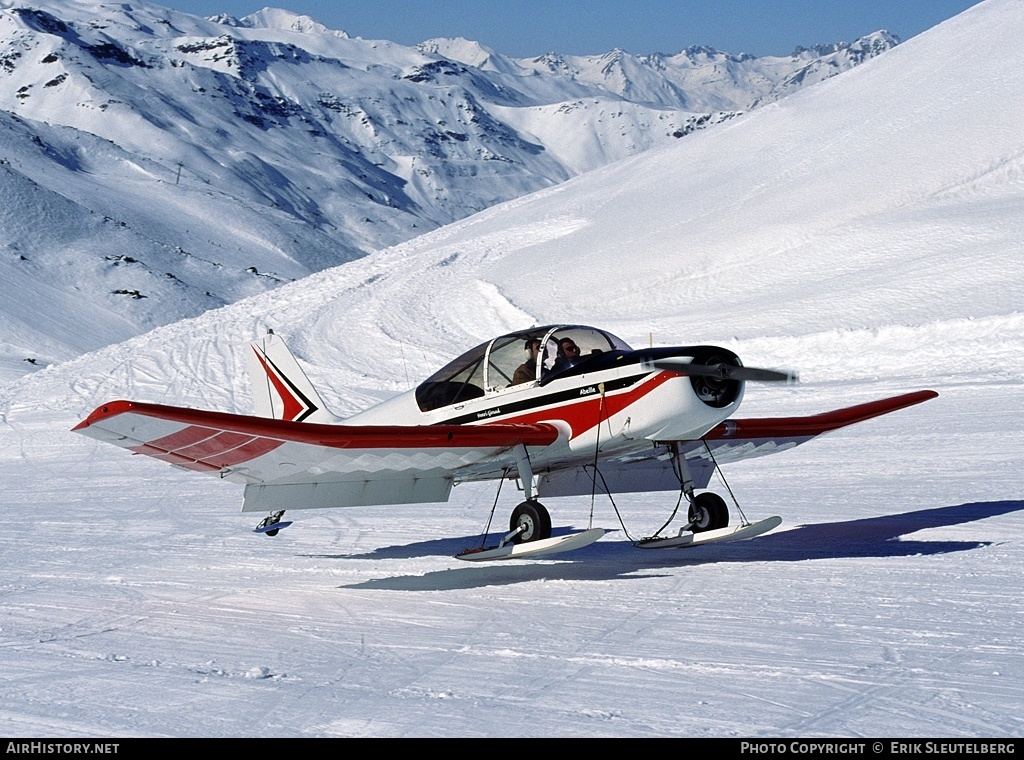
109,409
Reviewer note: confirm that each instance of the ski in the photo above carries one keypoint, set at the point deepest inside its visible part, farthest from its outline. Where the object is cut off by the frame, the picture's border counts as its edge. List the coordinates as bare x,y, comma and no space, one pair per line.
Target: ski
721,535
533,549
272,527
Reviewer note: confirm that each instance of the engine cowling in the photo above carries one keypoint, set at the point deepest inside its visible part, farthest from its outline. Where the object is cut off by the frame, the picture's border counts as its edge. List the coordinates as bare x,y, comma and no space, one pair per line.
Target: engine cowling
716,391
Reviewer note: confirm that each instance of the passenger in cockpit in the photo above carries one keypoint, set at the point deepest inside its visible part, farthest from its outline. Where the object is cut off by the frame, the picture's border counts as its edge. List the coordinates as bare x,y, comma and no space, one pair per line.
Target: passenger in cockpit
527,371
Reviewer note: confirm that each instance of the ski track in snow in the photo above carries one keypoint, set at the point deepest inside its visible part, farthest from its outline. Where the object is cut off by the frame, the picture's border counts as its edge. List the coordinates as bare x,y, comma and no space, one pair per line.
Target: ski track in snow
135,601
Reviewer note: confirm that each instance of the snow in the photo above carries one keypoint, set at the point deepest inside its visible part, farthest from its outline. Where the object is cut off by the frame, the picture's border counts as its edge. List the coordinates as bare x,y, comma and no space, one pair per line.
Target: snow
865,232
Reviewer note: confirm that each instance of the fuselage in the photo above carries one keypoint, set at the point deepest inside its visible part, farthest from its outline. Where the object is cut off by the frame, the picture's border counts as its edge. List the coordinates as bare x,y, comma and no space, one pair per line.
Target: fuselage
609,396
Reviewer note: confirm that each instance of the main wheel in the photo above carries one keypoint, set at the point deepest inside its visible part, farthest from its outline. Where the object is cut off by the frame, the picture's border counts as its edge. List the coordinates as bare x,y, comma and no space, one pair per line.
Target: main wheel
709,512
535,520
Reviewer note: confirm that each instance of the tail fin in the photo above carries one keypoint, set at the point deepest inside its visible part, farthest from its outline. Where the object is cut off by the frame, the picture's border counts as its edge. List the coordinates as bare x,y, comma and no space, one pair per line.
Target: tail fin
280,389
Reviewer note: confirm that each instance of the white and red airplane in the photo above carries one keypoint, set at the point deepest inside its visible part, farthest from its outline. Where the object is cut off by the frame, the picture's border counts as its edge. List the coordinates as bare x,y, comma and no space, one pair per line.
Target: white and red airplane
564,409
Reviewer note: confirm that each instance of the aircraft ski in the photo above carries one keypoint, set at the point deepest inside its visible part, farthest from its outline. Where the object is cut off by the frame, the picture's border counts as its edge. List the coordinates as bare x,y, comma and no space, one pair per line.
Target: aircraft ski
564,410
717,536
272,528
271,524
540,548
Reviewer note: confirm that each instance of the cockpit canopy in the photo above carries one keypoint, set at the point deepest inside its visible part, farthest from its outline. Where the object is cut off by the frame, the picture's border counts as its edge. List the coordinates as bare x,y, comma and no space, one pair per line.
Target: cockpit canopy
537,355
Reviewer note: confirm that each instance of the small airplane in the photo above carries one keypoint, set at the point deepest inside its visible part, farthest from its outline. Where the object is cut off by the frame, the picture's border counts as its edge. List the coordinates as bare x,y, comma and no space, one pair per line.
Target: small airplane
565,410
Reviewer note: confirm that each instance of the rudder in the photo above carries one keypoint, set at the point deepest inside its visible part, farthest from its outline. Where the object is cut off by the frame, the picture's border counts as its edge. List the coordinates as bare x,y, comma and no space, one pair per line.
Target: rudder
280,388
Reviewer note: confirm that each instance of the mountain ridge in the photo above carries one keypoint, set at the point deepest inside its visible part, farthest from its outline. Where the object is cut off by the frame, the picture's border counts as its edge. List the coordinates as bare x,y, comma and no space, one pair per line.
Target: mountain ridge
244,153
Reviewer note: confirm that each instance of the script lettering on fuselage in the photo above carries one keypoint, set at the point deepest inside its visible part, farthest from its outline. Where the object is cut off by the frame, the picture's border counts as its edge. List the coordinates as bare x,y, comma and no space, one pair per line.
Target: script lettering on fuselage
588,391
488,413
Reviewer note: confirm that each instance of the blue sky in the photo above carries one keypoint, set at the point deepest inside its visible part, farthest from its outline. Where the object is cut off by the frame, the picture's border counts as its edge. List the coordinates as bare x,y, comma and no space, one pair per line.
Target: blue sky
531,27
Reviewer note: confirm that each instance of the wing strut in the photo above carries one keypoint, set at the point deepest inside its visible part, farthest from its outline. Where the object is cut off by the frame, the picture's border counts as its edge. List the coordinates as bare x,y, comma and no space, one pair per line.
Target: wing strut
721,474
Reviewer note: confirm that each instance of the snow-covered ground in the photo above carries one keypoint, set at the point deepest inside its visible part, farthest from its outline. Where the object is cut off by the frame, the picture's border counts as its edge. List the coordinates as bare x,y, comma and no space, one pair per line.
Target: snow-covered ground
867,232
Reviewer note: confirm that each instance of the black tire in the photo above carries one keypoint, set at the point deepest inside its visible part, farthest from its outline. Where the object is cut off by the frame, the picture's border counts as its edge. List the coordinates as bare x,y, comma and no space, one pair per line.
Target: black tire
709,512
536,520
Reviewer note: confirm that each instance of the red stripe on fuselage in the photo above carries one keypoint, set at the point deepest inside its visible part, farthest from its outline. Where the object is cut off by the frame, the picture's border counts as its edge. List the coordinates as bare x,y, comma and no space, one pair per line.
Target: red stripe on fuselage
585,414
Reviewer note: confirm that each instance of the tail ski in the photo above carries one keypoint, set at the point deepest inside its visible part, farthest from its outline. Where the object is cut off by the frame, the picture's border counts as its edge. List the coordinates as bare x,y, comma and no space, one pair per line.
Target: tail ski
280,389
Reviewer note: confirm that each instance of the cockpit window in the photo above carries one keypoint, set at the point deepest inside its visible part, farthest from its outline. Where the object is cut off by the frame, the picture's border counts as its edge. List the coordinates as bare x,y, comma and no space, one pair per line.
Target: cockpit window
569,347
459,380
512,360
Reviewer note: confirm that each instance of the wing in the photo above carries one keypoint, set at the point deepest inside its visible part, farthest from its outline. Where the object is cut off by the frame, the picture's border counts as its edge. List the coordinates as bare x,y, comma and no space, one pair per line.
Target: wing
733,440
730,441
297,465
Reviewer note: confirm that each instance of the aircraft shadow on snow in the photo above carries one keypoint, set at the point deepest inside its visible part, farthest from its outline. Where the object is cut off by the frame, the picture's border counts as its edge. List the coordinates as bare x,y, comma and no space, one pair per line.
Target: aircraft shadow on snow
876,537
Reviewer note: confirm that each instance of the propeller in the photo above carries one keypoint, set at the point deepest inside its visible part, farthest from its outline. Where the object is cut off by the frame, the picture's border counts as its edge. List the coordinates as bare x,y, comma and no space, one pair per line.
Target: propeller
726,371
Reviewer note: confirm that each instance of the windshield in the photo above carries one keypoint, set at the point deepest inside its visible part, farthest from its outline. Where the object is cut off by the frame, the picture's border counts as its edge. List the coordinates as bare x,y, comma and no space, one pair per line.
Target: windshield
516,359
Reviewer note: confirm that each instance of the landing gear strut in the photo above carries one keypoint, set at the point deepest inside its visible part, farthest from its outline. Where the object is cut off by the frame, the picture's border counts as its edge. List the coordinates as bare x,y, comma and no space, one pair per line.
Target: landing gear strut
530,520
708,511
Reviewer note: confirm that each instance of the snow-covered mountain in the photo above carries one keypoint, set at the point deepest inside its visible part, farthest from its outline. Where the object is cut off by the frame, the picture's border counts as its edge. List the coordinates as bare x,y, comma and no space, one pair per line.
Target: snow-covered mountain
699,79
156,164
866,232
855,205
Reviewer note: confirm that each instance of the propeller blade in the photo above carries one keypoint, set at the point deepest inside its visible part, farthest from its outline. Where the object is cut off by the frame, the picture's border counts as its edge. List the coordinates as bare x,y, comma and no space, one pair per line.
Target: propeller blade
759,375
727,371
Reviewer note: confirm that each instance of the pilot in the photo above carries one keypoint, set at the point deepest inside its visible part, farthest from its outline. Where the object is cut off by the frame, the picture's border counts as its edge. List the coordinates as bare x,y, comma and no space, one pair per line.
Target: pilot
568,354
527,371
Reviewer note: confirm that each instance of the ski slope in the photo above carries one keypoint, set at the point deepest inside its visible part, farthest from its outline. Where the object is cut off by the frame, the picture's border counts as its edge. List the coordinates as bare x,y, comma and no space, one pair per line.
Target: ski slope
866,232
